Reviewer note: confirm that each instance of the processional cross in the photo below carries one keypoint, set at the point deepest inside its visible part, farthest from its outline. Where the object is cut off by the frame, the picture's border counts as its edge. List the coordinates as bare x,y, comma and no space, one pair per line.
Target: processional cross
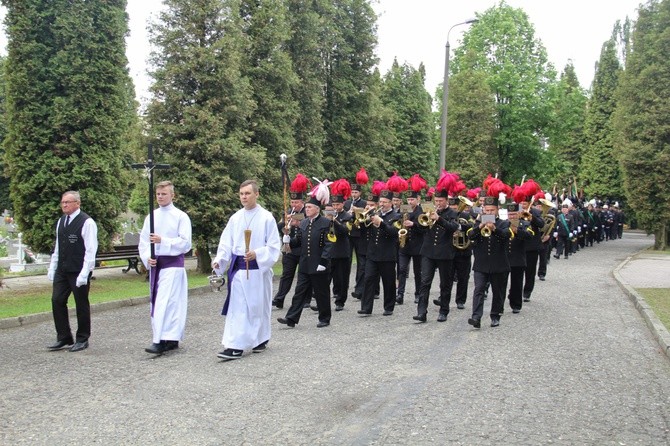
148,168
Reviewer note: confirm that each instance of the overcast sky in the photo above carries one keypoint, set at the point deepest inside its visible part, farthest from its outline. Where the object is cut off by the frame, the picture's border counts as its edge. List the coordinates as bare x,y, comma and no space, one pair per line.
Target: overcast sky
415,31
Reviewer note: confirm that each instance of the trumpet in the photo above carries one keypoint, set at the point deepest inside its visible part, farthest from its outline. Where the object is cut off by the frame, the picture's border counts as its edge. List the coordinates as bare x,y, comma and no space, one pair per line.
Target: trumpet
424,219
367,216
525,214
486,232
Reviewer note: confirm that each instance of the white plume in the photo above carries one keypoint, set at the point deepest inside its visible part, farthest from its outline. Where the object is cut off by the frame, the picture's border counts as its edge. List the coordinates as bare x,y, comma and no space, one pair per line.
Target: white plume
502,198
321,191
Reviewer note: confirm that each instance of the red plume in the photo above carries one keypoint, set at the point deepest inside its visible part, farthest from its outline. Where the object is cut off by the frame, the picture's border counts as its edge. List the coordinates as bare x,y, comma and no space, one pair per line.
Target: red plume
496,187
487,182
416,183
431,192
519,194
446,181
473,194
300,184
341,187
530,188
362,177
378,187
539,195
458,187
396,183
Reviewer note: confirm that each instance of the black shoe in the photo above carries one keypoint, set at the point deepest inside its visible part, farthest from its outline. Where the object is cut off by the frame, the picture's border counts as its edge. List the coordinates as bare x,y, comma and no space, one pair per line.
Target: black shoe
339,307
156,349
541,278
566,257
526,299
284,321
305,306
419,317
171,345
260,347
364,313
376,296
322,324
314,307
230,353
387,313
356,295
437,302
442,317
278,304
60,344
516,310
495,322
557,257
399,300
460,306
416,300
79,346
475,322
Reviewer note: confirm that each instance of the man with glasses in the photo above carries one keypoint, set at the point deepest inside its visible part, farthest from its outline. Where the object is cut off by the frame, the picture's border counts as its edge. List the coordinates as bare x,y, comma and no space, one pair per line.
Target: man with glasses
72,263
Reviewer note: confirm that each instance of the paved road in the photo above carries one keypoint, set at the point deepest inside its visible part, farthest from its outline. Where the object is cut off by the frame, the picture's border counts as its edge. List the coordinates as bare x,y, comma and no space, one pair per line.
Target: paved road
576,366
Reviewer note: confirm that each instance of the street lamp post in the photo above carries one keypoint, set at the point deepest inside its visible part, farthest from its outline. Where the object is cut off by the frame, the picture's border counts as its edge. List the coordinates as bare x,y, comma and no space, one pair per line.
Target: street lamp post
445,97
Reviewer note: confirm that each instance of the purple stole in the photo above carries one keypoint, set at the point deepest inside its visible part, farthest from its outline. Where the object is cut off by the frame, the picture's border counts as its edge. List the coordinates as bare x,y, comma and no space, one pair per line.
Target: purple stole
236,264
161,263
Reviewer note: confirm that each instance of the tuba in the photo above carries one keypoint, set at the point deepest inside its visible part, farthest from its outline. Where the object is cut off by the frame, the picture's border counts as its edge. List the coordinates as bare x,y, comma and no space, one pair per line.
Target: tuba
549,219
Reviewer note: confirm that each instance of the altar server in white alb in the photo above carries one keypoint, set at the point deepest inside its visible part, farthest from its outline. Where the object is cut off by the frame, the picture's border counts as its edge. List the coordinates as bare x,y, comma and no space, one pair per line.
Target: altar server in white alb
167,275
248,249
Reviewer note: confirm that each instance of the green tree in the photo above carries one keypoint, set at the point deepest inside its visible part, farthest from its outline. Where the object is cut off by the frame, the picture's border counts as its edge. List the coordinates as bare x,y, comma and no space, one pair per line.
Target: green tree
267,65
69,102
642,122
406,97
5,202
199,117
504,46
600,171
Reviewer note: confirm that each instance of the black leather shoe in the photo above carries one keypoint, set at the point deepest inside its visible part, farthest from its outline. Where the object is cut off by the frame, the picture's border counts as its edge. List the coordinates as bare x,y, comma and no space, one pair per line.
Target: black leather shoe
437,302
376,296
495,322
314,308
171,345
416,300
60,344
442,317
322,324
526,299
419,317
356,295
79,346
339,307
156,349
541,278
399,300
516,310
284,321
475,322
364,313
387,313
460,306
278,304
557,257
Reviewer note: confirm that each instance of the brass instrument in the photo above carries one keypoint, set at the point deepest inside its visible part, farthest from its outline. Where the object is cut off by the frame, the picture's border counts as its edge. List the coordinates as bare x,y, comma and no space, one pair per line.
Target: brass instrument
463,202
402,232
424,219
460,239
549,219
332,237
486,232
525,214
359,217
367,216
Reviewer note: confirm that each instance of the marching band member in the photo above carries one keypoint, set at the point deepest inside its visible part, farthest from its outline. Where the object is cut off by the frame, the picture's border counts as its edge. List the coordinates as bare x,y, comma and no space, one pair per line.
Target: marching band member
523,232
565,230
340,257
528,194
358,235
411,251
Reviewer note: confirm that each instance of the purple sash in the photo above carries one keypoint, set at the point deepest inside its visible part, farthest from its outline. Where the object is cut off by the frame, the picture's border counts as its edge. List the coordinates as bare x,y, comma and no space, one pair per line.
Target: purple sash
161,263
236,263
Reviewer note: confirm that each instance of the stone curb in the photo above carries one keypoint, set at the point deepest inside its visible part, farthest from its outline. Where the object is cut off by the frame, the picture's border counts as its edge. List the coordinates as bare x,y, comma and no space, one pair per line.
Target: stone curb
19,321
656,327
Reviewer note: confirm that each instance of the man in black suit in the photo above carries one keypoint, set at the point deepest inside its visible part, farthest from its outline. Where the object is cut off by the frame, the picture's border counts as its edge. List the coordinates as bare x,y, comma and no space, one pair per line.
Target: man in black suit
524,233
72,263
411,251
290,260
463,255
357,238
565,230
491,265
437,252
314,266
340,256
381,256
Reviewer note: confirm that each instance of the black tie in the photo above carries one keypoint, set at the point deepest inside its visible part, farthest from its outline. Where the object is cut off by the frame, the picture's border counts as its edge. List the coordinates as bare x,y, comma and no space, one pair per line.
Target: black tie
67,221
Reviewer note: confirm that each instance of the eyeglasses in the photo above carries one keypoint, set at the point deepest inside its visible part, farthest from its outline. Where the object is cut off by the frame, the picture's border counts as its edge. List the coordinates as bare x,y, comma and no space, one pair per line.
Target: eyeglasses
67,202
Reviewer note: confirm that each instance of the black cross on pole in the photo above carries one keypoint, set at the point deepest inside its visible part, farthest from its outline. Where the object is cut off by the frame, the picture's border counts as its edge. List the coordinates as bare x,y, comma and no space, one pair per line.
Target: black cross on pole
148,168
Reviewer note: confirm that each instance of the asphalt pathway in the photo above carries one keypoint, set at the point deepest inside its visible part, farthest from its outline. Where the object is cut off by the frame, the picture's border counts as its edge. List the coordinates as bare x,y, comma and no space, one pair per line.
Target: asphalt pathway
578,365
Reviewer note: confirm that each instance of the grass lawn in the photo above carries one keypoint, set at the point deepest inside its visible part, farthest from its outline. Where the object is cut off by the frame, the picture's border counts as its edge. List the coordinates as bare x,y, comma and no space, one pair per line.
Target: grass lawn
103,289
659,300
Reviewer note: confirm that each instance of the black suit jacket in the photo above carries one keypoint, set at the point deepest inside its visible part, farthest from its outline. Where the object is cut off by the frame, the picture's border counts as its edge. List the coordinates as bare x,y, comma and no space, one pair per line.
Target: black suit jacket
383,241
312,237
438,241
491,252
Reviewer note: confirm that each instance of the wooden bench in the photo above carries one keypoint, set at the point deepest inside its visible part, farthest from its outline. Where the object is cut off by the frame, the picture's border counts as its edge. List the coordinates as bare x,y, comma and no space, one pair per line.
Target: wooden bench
122,252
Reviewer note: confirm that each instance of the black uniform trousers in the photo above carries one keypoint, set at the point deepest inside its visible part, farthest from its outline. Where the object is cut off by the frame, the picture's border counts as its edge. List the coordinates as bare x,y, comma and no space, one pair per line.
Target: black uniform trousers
446,272
289,263
403,268
308,285
531,269
462,266
340,270
498,282
63,285
545,252
360,263
373,271
562,246
516,276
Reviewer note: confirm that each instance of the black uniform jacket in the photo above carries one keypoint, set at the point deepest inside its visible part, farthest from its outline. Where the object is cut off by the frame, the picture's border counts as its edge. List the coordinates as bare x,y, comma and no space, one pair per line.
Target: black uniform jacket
383,241
414,234
438,243
341,247
491,252
312,237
